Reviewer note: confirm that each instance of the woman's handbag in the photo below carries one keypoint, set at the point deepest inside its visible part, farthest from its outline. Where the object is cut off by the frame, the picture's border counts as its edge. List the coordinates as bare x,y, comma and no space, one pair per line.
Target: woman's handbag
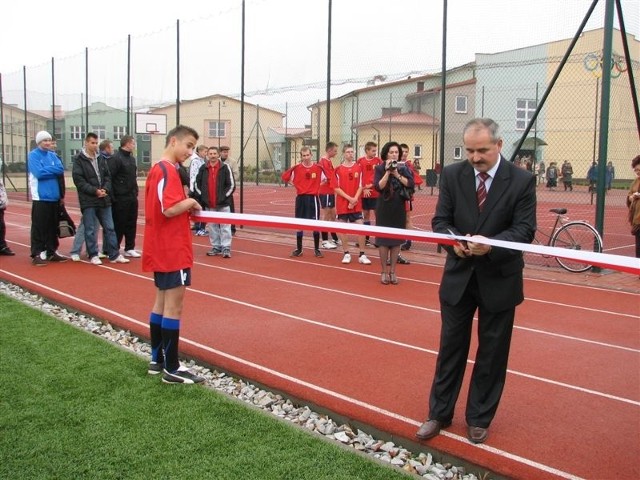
66,227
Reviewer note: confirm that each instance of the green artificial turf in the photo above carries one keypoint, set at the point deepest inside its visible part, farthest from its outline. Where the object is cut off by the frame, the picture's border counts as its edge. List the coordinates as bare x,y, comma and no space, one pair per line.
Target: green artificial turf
73,406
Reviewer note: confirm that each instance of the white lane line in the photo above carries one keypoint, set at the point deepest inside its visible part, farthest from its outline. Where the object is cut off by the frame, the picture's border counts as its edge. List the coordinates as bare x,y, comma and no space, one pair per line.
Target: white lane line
362,335
317,388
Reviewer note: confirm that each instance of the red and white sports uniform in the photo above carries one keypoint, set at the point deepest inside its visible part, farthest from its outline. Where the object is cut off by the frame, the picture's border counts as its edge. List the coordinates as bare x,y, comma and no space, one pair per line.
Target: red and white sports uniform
349,180
167,240
325,186
368,166
306,180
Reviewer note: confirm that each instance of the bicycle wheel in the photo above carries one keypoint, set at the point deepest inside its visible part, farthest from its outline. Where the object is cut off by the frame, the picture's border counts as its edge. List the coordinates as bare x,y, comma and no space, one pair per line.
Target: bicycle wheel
576,235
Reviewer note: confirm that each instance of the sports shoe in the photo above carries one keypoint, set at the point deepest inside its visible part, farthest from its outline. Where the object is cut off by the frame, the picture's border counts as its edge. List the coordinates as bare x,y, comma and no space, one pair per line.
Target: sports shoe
96,260
318,254
329,245
120,259
213,252
346,258
402,260
154,368
368,243
7,251
182,375
132,254
405,246
102,255
75,257
38,261
364,260
226,253
56,257
337,242
201,233
297,253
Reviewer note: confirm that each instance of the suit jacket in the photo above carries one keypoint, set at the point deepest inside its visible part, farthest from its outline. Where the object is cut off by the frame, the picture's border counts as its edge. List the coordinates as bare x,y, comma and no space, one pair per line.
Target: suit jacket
509,214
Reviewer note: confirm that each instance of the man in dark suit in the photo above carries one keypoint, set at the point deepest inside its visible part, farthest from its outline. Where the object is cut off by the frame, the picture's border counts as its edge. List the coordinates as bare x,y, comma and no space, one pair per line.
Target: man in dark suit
479,277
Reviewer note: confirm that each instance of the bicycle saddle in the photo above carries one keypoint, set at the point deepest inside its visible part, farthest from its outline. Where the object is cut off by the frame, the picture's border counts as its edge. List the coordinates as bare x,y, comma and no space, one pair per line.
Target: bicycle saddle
559,211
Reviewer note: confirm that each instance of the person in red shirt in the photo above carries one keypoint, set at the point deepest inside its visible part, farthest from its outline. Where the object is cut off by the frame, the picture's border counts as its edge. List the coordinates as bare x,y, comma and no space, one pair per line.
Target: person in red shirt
370,195
418,181
348,191
168,253
306,178
327,194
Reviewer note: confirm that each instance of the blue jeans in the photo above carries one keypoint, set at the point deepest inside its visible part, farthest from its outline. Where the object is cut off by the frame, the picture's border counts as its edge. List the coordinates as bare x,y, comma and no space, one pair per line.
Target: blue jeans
90,217
220,234
78,240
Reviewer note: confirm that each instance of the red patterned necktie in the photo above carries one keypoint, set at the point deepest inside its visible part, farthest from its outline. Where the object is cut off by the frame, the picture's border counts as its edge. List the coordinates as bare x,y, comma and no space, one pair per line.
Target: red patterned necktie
481,193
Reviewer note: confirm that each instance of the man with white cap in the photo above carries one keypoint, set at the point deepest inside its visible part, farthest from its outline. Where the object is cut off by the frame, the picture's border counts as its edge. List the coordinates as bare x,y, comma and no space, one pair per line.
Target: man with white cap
45,172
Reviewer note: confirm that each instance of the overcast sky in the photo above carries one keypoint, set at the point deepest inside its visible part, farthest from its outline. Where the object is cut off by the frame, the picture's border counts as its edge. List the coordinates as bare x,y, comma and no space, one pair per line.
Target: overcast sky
286,41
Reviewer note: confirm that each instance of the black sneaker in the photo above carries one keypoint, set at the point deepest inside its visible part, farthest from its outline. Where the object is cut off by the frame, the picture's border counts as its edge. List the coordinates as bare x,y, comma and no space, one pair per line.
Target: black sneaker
155,368
38,261
213,252
182,375
56,257
402,260
405,247
318,254
296,253
7,251
368,243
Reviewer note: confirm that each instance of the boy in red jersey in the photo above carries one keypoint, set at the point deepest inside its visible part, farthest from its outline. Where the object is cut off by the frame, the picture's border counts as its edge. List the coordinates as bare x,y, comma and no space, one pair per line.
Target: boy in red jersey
168,253
327,195
369,193
306,178
348,188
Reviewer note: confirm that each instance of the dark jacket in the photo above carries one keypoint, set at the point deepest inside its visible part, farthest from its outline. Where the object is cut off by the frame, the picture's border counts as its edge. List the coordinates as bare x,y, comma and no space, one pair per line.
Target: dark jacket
87,183
224,188
509,214
124,175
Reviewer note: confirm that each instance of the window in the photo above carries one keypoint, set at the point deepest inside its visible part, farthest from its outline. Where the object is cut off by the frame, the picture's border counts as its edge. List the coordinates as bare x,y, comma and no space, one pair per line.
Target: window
77,132
457,153
417,151
119,132
461,104
216,130
391,111
74,152
146,156
524,112
100,130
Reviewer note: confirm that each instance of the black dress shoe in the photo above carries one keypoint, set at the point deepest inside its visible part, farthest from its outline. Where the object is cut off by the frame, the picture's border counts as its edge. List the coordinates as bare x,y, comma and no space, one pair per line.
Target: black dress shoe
477,434
7,251
430,429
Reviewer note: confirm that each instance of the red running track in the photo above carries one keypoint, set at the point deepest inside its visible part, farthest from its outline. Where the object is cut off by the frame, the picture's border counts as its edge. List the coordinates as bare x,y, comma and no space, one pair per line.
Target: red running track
332,335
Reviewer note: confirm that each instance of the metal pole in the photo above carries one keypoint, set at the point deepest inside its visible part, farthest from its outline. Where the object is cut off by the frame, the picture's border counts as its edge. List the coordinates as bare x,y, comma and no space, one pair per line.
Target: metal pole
177,72
242,111
257,144
595,121
26,130
604,113
129,102
218,124
328,75
444,81
86,87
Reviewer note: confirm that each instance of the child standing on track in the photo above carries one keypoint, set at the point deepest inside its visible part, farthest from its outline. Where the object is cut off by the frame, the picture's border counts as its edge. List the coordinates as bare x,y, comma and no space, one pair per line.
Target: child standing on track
168,253
306,177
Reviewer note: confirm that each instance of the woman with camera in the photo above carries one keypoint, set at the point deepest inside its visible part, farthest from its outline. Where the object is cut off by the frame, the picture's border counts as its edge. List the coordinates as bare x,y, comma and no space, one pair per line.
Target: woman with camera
395,183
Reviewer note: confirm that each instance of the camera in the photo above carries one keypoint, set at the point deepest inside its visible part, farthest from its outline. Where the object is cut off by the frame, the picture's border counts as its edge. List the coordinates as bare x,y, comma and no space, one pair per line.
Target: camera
393,165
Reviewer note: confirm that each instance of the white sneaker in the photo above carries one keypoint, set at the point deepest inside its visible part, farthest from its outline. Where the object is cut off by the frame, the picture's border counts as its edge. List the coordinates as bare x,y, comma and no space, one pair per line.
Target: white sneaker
75,257
102,255
132,254
363,259
96,260
346,258
329,245
120,259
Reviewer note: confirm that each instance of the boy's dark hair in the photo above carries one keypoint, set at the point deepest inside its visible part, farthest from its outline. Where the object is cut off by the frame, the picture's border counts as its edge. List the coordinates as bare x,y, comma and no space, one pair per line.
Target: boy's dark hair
181,131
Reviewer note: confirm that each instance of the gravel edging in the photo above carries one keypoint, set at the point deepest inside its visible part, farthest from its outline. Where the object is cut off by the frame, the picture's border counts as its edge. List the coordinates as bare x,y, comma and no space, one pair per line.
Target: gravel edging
422,465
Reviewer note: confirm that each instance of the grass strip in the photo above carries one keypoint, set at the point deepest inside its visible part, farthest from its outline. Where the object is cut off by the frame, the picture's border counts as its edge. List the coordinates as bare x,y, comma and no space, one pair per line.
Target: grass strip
74,406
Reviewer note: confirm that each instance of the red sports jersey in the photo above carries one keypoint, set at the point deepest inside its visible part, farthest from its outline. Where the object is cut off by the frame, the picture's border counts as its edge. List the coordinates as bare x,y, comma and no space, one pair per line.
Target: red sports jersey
348,179
368,166
417,179
167,240
325,186
305,179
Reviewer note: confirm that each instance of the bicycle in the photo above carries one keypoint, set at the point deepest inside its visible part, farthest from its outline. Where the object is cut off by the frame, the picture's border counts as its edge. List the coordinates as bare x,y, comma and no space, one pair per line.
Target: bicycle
574,235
